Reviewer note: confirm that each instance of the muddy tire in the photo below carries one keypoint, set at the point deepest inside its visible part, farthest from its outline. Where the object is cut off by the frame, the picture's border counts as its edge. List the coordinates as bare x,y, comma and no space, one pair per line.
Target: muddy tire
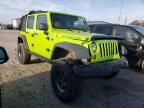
23,56
65,83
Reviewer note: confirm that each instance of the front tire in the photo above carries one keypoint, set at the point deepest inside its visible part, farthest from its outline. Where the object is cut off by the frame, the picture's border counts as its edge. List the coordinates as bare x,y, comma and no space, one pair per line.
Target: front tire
23,56
65,83
142,65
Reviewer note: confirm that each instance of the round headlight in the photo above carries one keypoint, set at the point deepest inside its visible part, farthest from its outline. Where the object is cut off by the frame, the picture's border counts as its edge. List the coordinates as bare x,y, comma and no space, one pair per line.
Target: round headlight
93,47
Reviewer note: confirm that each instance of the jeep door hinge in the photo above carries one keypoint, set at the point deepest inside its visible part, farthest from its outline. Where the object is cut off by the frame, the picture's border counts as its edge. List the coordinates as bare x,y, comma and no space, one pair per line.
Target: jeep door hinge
47,50
48,38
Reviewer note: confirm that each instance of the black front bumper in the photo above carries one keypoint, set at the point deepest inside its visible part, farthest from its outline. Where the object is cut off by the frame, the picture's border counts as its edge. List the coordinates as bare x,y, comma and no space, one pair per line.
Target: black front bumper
98,69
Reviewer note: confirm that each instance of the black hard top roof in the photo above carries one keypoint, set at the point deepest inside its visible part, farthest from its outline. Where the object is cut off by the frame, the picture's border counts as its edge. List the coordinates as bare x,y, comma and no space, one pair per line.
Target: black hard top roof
36,12
113,25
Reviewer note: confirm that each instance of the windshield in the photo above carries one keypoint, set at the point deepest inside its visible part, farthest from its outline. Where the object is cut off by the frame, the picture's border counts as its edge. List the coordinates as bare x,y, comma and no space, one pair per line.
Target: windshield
139,29
68,22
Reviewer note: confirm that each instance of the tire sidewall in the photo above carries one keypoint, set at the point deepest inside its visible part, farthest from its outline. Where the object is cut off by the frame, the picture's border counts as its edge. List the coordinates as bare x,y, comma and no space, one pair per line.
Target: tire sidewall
72,82
25,57
20,57
142,65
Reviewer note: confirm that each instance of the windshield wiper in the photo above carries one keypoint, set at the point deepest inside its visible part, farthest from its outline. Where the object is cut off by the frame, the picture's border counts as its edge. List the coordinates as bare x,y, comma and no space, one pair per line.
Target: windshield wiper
85,30
70,29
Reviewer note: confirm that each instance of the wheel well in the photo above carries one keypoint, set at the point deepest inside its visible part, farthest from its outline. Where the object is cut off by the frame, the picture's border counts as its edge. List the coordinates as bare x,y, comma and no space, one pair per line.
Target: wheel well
20,40
59,53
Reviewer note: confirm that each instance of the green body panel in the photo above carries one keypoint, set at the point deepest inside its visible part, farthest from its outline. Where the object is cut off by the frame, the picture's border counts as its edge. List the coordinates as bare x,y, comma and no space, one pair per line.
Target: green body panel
43,45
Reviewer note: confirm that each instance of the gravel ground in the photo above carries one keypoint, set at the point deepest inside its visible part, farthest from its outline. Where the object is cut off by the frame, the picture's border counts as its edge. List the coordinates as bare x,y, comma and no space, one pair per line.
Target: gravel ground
28,86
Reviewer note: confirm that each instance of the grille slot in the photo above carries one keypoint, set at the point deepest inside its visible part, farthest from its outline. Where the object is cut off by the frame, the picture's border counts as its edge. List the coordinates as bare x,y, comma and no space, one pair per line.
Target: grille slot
108,49
100,49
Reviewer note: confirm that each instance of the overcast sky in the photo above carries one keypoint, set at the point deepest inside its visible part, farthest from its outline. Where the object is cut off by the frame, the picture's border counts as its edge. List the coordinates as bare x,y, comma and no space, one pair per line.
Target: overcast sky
98,10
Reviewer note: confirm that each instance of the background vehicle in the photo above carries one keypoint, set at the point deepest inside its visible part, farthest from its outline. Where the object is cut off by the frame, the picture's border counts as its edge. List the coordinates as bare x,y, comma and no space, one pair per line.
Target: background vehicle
133,40
66,42
3,55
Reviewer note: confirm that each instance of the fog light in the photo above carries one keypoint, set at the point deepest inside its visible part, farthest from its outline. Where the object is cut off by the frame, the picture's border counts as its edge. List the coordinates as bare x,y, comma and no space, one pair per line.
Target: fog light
94,56
85,61
93,47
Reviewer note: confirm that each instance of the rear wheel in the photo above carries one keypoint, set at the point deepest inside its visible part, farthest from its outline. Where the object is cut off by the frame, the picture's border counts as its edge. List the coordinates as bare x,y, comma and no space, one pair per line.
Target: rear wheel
23,56
65,83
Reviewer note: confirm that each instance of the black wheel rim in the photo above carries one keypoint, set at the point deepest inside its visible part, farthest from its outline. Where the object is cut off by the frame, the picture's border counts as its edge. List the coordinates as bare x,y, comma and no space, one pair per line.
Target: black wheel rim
61,82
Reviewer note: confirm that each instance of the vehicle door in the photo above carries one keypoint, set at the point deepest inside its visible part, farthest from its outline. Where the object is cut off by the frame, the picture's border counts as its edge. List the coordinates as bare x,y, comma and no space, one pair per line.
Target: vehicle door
42,36
29,32
131,39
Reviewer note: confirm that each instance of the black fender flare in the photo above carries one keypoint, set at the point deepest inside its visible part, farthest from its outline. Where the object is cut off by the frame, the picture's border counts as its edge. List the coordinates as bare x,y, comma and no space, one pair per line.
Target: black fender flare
23,38
79,51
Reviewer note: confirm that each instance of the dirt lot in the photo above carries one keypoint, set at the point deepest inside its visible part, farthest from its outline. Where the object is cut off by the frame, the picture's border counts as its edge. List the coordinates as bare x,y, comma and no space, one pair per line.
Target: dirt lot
28,86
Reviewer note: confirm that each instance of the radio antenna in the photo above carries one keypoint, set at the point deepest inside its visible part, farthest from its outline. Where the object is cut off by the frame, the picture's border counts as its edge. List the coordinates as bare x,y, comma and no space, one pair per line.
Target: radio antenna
120,11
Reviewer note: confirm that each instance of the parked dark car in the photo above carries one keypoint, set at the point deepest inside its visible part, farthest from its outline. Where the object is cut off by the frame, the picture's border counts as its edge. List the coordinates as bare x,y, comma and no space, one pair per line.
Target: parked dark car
133,40
3,55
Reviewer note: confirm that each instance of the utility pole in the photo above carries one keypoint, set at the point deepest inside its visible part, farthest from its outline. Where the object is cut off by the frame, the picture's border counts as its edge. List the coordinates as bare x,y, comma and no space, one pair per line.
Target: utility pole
126,20
51,3
120,11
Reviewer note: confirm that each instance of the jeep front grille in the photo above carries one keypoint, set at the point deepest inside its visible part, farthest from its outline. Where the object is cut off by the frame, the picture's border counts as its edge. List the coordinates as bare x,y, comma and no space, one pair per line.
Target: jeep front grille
106,50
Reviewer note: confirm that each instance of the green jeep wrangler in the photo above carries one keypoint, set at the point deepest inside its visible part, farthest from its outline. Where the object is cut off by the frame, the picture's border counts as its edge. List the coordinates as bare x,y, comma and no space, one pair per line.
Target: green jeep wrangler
65,41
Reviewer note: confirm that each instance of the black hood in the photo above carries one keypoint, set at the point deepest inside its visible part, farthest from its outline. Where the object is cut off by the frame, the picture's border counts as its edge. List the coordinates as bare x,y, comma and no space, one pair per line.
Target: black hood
105,37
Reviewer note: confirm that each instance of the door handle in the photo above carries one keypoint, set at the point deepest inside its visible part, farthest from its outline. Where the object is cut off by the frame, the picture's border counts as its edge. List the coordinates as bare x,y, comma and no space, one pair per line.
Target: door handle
48,38
34,34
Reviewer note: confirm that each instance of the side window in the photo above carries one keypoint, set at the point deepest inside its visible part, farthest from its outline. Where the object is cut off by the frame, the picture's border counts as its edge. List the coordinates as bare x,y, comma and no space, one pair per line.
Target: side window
103,30
136,38
91,28
98,29
41,19
23,24
128,34
30,22
108,30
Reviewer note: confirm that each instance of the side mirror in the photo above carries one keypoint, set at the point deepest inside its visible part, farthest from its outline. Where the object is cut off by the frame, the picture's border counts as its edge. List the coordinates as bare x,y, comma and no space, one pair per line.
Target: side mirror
43,26
3,55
